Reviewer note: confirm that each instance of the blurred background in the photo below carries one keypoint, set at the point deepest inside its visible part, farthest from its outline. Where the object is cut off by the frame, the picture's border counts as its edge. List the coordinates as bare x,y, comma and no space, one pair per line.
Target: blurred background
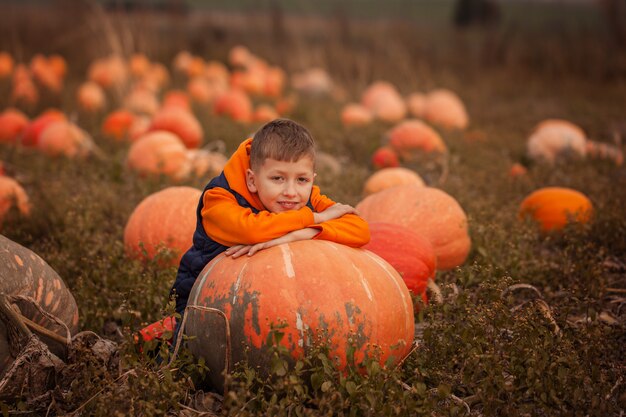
415,43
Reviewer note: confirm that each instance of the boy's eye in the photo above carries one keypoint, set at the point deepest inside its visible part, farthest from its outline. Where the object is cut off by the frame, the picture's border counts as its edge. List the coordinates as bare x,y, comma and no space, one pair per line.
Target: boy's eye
303,179
276,178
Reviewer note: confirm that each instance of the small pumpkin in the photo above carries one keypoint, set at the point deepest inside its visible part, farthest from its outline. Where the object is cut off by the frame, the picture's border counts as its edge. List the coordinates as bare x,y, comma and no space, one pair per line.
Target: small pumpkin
12,195
32,132
390,177
556,138
416,105
264,113
314,290
384,101
427,211
65,138
159,153
180,122
354,114
12,124
385,157
235,104
91,97
554,207
7,63
163,220
414,136
445,108
117,124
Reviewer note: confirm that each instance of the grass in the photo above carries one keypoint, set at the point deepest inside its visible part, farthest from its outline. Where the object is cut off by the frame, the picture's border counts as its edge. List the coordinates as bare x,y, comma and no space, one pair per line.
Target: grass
485,350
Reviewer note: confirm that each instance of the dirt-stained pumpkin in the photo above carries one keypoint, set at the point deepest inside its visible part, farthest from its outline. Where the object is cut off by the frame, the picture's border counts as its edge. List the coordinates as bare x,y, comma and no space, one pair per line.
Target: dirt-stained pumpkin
24,273
312,289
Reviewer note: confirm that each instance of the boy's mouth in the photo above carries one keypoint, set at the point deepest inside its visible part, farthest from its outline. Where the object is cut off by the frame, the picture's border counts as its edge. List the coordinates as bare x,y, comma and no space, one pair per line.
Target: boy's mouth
288,205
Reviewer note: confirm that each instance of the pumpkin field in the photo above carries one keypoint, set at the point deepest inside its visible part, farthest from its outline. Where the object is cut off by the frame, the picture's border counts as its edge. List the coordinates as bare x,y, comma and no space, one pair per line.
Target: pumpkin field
486,153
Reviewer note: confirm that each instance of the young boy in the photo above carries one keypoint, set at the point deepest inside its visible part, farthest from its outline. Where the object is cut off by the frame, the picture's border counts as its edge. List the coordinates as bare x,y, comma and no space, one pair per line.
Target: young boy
264,197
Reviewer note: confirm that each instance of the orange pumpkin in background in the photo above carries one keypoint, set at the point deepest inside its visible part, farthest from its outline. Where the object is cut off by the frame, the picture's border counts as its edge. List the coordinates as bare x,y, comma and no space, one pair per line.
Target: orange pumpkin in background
414,136
313,81
264,113
32,132
385,157
554,207
354,114
44,74
176,98
64,138
6,65
117,124
24,274
384,101
427,211
203,91
180,122
444,108
556,138
12,195
91,97
316,290
410,254
416,105
235,104
159,153
163,220
205,163
390,177
142,101
12,124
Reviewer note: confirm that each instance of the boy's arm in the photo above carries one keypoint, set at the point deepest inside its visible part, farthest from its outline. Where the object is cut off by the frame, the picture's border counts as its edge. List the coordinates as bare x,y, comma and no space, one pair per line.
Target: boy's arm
230,224
348,229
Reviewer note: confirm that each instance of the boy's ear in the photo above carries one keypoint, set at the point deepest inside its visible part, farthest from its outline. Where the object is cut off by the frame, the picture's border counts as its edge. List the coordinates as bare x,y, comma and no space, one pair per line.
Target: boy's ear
250,181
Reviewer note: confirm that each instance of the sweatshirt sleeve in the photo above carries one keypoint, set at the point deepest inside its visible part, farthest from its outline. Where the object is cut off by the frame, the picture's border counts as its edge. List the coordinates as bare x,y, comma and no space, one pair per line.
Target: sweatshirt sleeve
350,229
226,222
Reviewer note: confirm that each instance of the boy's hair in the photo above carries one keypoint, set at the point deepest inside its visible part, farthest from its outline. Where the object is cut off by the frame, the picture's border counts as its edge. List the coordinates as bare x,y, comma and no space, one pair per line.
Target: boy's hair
282,140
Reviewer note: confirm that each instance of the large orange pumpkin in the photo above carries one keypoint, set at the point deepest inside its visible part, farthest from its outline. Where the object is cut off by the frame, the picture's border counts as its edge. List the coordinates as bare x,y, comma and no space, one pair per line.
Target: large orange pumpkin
554,207
180,122
315,289
12,194
427,211
12,124
390,177
24,273
159,152
163,220
409,253
413,136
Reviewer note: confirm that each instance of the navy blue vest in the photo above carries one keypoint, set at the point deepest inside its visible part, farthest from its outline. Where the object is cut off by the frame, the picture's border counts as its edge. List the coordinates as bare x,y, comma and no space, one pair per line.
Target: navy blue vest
204,248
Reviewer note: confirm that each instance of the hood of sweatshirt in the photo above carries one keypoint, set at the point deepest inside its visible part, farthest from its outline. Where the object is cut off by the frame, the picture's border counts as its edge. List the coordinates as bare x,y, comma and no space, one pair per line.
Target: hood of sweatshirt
235,173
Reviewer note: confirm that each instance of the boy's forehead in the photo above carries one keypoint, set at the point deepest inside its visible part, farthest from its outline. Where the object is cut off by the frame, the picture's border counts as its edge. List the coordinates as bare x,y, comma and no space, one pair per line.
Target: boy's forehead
303,164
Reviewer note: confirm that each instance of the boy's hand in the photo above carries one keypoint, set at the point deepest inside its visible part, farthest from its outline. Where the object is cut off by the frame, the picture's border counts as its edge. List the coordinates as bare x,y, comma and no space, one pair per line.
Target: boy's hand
302,234
333,212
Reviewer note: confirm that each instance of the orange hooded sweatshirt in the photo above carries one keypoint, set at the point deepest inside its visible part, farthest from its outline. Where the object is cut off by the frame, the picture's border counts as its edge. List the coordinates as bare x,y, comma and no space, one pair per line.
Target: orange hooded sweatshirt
229,224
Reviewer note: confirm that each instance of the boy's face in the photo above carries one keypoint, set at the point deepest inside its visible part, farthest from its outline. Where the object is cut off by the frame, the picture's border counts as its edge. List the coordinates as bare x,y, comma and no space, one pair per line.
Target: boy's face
282,186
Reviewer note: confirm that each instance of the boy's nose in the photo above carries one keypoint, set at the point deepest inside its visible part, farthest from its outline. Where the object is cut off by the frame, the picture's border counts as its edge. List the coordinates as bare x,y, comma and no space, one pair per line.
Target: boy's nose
290,189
